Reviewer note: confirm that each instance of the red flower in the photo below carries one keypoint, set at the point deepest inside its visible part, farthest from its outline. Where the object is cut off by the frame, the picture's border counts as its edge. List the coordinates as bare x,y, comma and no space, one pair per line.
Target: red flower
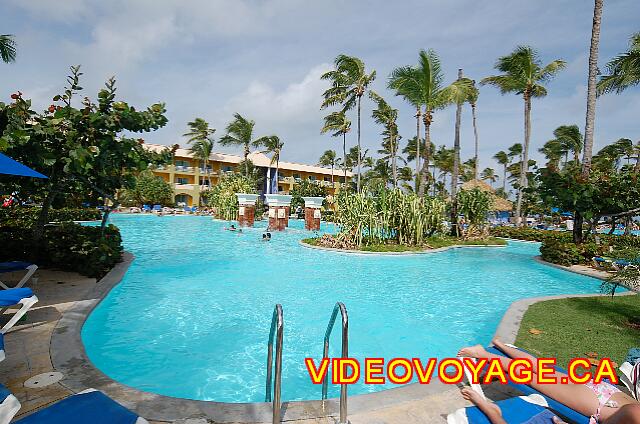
52,109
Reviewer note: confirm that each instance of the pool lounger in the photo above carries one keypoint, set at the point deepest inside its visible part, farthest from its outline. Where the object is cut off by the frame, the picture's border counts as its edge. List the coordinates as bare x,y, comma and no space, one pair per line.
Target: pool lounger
12,297
554,405
630,377
87,407
2,355
17,266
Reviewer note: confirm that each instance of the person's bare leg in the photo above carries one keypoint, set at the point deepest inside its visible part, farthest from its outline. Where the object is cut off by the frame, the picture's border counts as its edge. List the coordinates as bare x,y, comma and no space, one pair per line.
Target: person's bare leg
490,409
478,351
626,414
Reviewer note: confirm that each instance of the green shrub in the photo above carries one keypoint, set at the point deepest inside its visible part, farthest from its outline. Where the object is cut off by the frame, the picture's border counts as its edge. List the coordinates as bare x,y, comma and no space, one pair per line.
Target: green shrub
26,216
560,253
67,246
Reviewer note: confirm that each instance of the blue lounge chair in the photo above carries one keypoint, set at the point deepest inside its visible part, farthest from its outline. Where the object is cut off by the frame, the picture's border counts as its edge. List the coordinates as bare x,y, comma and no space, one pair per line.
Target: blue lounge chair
9,405
514,410
12,297
87,407
194,209
187,209
558,407
17,266
157,208
146,208
2,355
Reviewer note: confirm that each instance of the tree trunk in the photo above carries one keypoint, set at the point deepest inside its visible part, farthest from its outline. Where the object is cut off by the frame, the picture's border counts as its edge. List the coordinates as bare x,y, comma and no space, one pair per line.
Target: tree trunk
591,89
277,176
418,114
332,165
475,135
524,164
613,226
627,225
455,174
425,165
394,170
246,161
359,156
504,180
577,227
43,217
344,155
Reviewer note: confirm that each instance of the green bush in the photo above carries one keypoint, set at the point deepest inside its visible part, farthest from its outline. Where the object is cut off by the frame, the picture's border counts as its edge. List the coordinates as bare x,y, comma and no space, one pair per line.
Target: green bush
67,246
26,216
560,253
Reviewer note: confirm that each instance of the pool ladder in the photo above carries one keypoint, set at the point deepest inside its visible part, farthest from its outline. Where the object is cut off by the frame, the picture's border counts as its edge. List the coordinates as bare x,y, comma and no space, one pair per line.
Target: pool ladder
277,328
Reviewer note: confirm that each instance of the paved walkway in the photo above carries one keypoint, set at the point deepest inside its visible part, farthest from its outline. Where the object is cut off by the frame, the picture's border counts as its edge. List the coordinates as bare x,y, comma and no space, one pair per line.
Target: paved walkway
27,348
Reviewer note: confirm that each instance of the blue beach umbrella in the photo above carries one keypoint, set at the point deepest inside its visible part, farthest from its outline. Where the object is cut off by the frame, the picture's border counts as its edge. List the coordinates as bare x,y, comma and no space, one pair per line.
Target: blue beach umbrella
9,166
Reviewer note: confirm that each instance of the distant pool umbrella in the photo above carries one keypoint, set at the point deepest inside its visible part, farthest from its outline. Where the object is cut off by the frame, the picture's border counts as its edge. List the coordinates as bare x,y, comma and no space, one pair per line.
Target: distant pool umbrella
9,166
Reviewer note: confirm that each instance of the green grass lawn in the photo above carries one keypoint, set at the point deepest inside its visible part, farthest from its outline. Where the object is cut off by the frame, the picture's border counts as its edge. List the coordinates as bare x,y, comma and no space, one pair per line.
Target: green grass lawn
573,327
433,242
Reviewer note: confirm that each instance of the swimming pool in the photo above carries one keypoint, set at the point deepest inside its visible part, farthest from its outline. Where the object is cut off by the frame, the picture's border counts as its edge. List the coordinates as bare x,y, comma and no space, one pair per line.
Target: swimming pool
191,317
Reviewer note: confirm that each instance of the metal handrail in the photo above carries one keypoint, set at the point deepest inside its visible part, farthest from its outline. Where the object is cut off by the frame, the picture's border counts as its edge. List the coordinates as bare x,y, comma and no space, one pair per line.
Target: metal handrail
277,327
345,354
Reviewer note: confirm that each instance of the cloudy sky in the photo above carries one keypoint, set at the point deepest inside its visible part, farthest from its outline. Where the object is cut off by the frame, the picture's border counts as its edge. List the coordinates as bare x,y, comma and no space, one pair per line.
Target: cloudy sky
263,59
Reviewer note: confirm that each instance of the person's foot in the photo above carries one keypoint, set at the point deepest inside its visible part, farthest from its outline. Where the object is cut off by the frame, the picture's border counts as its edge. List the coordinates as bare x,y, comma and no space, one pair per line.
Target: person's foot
557,420
476,351
478,400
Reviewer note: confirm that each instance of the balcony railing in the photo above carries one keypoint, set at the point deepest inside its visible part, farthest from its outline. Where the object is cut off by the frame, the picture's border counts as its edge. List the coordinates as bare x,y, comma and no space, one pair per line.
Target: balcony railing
183,168
179,186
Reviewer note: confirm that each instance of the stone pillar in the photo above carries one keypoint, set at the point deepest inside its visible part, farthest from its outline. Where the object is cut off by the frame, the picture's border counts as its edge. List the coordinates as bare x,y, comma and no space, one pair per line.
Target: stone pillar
312,215
246,209
279,206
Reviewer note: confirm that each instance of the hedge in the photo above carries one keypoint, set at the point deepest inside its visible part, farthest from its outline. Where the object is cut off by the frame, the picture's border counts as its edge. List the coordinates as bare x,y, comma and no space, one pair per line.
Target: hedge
28,215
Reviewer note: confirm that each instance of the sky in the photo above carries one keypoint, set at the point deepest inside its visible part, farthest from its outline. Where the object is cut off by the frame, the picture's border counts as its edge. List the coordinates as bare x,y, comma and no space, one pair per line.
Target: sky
263,59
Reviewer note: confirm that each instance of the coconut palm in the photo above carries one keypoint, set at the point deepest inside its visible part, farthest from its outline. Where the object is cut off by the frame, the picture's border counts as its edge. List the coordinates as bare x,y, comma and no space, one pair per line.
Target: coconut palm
553,150
489,174
329,158
200,137
570,140
7,48
623,71
349,82
240,133
407,82
503,159
338,123
523,74
386,116
591,104
443,160
273,146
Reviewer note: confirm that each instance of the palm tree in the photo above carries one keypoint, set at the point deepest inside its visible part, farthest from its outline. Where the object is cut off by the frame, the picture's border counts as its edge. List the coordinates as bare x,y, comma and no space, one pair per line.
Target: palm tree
523,73
591,105
489,174
329,158
340,125
386,116
623,70
240,133
473,100
443,160
407,82
273,146
553,150
202,138
7,48
349,82
503,159
570,140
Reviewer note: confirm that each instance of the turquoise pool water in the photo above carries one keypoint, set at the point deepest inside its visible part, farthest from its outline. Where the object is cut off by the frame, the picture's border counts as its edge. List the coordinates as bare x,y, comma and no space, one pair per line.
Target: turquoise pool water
191,317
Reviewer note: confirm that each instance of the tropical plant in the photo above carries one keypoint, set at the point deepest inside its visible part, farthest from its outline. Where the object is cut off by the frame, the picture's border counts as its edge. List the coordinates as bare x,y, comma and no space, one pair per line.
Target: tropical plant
328,158
489,174
553,151
273,146
503,159
380,215
148,189
623,71
475,204
200,137
443,160
7,48
569,140
240,133
349,82
338,123
523,74
387,116
222,197
306,188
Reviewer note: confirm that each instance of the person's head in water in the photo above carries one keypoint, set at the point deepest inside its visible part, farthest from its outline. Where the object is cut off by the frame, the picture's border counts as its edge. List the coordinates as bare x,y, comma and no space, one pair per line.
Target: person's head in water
233,227
264,237
268,236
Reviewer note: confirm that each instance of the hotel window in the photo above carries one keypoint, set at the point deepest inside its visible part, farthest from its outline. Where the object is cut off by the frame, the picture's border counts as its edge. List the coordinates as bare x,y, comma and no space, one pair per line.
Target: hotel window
182,198
204,181
181,180
227,169
312,177
296,176
182,163
327,179
342,180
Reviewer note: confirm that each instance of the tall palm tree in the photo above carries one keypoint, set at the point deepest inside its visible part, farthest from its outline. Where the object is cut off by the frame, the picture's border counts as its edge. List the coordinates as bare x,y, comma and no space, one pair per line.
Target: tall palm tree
340,125
623,71
407,81
570,140
473,102
590,119
200,136
523,74
349,82
489,174
240,133
7,48
273,146
329,158
443,160
387,116
503,159
553,150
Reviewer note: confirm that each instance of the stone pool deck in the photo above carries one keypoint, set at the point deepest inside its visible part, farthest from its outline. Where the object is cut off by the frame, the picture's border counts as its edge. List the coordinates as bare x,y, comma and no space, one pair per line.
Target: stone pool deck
29,352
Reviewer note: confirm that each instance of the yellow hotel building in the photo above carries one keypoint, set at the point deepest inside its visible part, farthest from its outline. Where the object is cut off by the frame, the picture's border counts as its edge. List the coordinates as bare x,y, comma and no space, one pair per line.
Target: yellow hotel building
188,177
